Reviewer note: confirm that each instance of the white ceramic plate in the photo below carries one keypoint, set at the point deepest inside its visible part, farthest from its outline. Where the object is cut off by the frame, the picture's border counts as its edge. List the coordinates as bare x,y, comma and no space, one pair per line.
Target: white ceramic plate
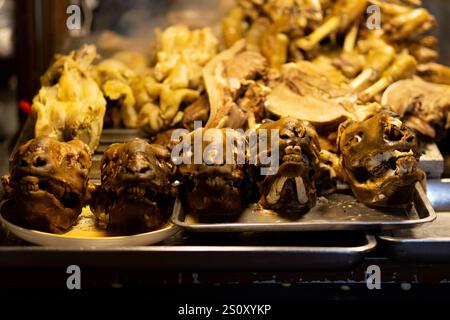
87,234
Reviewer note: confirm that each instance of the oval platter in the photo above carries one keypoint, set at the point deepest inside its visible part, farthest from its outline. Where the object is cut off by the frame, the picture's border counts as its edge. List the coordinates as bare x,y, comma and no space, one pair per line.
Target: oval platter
88,233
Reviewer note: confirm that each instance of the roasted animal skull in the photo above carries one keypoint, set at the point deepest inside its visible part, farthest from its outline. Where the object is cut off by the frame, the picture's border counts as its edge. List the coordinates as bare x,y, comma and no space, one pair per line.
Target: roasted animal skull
379,159
291,189
213,187
135,190
48,185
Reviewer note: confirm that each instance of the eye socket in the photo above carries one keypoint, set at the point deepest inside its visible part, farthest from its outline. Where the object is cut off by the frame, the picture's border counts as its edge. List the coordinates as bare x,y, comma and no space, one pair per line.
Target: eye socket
361,174
82,160
301,132
144,169
23,163
355,139
70,200
115,157
393,133
285,134
40,162
392,164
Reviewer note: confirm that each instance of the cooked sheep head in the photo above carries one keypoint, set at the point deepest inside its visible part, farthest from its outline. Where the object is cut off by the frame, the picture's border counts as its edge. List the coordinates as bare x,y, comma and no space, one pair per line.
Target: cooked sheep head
213,187
379,159
48,184
292,188
135,189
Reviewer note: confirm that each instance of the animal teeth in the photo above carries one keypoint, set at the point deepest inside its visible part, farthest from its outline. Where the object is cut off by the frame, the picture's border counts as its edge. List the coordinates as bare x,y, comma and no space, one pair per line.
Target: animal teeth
176,183
290,150
398,154
301,190
138,191
275,190
29,187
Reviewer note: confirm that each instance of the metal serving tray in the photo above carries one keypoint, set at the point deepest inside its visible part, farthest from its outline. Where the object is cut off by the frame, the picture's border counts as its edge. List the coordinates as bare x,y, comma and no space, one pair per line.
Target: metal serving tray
110,136
231,251
430,243
438,192
338,211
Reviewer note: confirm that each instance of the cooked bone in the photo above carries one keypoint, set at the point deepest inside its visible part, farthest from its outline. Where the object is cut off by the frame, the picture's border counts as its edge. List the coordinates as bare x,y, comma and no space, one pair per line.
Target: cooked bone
301,191
403,67
275,190
224,76
344,14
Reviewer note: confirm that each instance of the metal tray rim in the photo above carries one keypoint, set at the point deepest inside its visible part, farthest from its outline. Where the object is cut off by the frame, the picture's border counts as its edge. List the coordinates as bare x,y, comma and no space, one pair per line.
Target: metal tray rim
305,226
409,240
367,247
207,258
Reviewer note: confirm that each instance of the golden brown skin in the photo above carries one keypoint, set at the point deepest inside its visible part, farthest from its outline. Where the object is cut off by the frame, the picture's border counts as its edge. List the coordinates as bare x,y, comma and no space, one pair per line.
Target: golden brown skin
434,72
116,82
292,189
196,111
423,106
345,12
268,26
176,79
228,77
409,24
48,185
135,188
70,104
404,66
379,159
214,190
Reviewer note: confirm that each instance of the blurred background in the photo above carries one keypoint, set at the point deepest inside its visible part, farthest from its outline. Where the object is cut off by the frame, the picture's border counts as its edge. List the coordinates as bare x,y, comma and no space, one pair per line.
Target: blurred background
32,31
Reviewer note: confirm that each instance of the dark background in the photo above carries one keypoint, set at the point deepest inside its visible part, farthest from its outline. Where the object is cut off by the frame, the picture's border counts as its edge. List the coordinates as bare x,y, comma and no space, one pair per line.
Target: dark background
30,33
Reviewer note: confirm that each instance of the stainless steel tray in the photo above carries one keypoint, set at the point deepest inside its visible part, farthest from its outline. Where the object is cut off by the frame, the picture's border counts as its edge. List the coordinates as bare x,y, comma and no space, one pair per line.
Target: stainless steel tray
438,192
110,136
242,251
338,211
430,242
